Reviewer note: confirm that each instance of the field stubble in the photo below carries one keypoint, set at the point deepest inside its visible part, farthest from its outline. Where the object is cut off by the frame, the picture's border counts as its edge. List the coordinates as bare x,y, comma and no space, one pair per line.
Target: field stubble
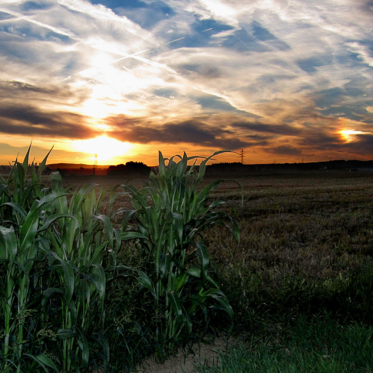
317,226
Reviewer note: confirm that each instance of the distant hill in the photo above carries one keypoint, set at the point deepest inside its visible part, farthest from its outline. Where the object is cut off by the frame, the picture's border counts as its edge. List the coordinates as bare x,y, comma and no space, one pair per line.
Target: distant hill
78,169
73,166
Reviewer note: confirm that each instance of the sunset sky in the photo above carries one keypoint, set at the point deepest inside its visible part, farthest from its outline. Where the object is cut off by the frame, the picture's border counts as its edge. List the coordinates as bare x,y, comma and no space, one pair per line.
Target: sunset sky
286,80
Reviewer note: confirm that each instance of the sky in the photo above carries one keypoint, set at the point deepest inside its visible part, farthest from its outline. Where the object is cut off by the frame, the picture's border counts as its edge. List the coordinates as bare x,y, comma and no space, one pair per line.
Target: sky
285,80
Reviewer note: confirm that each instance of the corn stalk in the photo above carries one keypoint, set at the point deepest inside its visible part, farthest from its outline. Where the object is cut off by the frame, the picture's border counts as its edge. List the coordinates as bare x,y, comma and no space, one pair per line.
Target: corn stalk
172,213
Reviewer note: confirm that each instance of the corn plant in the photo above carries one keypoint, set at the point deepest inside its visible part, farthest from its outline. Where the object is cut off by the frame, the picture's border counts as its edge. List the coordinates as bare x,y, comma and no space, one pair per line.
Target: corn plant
58,253
79,242
19,249
18,189
172,213
22,202
68,240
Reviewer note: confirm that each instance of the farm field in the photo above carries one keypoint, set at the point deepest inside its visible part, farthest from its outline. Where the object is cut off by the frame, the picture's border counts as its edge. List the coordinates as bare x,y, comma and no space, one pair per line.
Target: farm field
305,238
317,225
301,275
102,288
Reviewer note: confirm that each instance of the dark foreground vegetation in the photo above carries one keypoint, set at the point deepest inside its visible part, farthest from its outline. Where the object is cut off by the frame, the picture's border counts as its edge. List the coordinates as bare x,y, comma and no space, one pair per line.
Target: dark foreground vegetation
84,291
98,278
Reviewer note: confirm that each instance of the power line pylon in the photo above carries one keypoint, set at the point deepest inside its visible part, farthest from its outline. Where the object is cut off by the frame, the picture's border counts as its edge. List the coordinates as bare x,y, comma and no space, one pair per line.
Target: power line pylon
95,165
242,155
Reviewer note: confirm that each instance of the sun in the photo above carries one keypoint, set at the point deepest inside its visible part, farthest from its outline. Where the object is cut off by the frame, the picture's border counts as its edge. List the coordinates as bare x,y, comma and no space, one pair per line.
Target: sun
103,148
347,134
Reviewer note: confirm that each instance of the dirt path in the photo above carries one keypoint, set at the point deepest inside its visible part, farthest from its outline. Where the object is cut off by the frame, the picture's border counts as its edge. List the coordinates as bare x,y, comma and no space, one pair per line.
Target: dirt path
180,364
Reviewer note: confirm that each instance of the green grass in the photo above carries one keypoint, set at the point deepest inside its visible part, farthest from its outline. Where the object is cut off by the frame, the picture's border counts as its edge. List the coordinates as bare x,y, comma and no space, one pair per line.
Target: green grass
307,326
313,347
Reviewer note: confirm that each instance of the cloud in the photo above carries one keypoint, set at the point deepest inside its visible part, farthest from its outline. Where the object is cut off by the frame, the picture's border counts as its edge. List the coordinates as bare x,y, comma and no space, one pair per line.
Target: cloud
190,131
363,144
284,150
207,73
28,120
366,6
10,88
17,90
281,129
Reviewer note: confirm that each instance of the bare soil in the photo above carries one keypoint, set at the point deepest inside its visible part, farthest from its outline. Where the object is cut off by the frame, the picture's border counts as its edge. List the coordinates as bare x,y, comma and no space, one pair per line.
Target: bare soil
179,363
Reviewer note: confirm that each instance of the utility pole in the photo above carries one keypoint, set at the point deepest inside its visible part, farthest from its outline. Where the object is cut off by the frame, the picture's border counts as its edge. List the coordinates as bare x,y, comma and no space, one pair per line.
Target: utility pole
95,165
241,154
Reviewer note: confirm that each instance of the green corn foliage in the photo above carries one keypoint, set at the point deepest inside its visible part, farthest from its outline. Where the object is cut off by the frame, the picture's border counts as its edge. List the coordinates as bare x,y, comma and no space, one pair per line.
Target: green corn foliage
17,188
22,203
75,260
58,254
71,239
171,213
80,240
19,247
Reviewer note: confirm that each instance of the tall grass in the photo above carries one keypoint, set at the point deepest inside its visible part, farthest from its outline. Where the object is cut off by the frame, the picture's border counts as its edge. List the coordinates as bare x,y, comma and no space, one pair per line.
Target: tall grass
59,258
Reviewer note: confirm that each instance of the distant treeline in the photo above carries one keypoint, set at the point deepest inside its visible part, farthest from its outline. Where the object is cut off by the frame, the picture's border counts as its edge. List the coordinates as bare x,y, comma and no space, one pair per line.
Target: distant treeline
141,169
130,168
237,167
5,170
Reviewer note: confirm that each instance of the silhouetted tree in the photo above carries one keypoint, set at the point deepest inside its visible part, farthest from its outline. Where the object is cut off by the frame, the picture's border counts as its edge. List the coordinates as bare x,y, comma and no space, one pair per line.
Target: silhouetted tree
130,168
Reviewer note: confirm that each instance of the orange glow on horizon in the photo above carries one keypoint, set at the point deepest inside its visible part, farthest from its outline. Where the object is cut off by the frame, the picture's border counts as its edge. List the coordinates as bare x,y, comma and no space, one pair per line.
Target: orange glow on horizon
105,147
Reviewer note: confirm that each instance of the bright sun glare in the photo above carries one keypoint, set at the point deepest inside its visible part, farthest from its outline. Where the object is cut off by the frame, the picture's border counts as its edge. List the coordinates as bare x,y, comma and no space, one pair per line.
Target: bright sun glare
347,134
105,147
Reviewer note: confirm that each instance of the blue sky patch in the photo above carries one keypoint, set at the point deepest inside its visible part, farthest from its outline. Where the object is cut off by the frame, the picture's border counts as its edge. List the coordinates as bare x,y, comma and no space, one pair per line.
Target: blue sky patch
243,42
33,5
260,33
140,12
310,65
330,97
215,103
201,25
165,92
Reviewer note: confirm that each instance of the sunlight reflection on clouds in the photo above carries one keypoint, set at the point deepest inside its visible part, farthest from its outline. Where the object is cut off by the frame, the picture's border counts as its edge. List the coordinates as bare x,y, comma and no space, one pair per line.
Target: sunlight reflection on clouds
305,65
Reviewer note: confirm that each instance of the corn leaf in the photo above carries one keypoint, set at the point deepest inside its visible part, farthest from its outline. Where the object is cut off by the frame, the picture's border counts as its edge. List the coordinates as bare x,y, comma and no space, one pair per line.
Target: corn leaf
43,163
9,251
44,361
66,333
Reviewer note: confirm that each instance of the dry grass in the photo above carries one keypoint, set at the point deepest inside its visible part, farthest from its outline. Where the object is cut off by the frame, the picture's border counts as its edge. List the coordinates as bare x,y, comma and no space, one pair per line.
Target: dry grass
314,226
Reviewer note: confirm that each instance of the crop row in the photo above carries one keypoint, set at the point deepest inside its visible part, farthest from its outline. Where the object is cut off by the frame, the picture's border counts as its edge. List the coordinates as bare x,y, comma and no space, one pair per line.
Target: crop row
70,301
